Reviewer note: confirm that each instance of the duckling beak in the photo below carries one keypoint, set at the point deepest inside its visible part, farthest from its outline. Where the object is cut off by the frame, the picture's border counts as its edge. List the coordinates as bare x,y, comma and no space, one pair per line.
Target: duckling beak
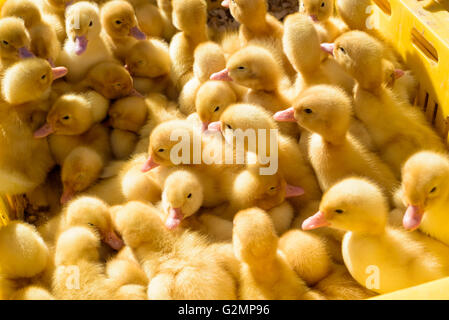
328,47
318,220
223,75
412,218
214,126
314,18
25,53
293,191
205,126
398,73
150,164
80,45
44,131
225,3
59,72
135,93
287,115
137,33
67,195
174,219
113,240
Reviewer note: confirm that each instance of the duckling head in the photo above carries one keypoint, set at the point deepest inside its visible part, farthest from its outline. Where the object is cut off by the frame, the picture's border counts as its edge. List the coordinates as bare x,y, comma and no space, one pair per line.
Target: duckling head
119,20
70,115
93,213
14,39
325,110
361,56
190,16
149,59
425,184
182,197
27,10
81,168
353,204
111,80
165,137
248,12
212,98
23,253
318,10
253,236
77,244
253,67
28,80
208,59
128,114
82,23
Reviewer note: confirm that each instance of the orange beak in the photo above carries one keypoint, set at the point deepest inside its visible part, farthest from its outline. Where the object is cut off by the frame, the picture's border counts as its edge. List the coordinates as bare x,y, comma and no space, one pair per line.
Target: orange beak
318,220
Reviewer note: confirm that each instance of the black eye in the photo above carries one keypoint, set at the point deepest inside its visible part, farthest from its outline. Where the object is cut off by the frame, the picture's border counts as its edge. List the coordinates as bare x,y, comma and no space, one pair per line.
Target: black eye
91,224
44,76
322,4
161,150
339,211
91,24
118,22
342,49
229,127
189,195
433,190
307,110
66,117
241,68
273,188
5,42
216,109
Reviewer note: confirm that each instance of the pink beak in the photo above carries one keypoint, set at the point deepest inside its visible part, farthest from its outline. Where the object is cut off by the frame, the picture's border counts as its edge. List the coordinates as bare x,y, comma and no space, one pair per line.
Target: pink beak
318,220
150,164
412,218
398,73
25,53
204,126
293,191
59,72
137,33
44,131
67,195
113,240
80,45
225,3
328,47
314,18
214,126
287,115
174,218
223,75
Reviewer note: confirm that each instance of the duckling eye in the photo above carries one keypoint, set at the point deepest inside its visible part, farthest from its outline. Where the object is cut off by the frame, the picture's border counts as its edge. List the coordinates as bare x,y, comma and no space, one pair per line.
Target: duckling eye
161,150
308,110
5,42
433,190
229,127
189,195
91,224
323,4
342,49
241,68
66,118
118,22
91,24
273,188
43,76
216,109
339,211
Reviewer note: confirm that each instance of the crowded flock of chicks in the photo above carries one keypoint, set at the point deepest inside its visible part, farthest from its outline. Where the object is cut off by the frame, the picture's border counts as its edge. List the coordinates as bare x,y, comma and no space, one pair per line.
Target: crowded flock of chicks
97,89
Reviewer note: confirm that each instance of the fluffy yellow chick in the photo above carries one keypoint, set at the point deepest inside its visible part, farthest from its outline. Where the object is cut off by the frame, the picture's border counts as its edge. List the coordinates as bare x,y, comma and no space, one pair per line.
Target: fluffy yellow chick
407,130
23,256
265,273
326,111
84,47
120,25
191,18
128,114
372,251
302,47
150,18
425,193
179,266
15,41
44,40
54,11
110,79
74,114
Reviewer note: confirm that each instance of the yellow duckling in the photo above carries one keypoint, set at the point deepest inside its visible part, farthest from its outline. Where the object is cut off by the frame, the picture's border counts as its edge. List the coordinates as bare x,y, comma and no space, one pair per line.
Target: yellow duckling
265,272
84,47
425,193
407,130
128,114
123,143
44,40
372,251
54,11
15,41
189,16
150,18
179,266
24,258
335,154
74,114
120,26
129,276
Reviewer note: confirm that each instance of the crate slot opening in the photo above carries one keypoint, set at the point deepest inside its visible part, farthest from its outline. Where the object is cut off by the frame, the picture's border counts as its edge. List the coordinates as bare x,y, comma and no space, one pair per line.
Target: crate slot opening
424,45
384,5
